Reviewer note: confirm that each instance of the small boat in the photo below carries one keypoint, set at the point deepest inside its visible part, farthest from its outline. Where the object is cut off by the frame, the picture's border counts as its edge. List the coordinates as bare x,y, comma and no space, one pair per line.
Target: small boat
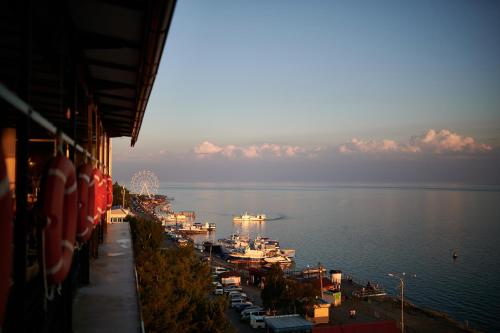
196,228
246,217
455,255
313,271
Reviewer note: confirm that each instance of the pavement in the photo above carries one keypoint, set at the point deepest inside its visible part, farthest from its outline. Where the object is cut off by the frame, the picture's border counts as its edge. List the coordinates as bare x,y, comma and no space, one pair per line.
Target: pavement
109,303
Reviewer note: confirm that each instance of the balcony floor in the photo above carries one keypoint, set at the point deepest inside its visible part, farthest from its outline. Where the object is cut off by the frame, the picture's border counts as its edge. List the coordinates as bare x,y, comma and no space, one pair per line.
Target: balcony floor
109,302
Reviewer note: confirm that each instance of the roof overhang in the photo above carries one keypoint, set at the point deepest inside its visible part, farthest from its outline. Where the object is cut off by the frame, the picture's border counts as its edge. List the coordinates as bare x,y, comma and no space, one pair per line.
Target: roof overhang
120,44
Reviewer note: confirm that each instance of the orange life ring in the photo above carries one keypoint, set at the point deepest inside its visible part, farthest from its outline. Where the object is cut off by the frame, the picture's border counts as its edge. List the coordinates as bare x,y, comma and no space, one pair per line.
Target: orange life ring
98,195
110,193
104,194
86,197
5,236
60,207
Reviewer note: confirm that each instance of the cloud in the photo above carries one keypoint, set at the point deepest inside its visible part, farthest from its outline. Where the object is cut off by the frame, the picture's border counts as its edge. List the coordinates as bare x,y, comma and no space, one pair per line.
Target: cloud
207,148
432,141
265,150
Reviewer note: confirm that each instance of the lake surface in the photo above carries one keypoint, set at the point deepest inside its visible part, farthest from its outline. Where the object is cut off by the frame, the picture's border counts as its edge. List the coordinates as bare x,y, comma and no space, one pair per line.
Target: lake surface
370,231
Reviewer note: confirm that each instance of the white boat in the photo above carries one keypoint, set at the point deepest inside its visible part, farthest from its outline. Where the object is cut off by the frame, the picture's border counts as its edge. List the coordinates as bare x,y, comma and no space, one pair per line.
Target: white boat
277,259
290,253
246,254
246,217
233,242
175,217
196,228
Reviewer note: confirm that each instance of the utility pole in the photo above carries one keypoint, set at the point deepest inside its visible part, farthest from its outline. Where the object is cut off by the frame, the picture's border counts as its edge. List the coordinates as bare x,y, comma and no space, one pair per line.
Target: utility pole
320,279
123,196
402,286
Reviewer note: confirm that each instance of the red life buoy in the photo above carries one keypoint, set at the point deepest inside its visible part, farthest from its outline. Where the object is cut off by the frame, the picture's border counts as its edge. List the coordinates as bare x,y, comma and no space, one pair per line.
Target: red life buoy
98,195
110,193
5,236
60,207
85,202
104,194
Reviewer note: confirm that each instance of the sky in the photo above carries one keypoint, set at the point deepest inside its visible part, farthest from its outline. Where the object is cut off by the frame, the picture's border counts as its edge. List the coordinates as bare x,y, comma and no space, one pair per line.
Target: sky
324,91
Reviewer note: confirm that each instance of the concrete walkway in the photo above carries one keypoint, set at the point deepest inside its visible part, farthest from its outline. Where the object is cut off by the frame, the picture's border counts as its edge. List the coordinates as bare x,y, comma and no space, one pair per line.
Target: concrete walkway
109,302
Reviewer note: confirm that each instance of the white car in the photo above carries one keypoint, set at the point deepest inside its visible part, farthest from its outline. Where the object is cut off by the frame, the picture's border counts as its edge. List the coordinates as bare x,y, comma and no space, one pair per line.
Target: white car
250,309
232,288
257,322
232,293
218,289
248,315
238,300
238,295
218,270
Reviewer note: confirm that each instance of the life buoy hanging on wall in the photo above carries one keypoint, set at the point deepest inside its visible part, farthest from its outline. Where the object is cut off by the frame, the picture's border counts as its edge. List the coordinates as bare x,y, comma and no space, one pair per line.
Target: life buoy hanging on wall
110,192
104,194
60,199
97,195
86,198
5,236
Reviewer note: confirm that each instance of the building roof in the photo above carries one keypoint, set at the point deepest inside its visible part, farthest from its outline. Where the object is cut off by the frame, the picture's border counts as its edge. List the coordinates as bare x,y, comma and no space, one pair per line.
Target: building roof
288,323
119,211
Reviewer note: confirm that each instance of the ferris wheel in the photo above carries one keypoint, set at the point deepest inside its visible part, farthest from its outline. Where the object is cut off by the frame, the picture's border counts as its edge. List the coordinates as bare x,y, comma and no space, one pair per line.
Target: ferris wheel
145,182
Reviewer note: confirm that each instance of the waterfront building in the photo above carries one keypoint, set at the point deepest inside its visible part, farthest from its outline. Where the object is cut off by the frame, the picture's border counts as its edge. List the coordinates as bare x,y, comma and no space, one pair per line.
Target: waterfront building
117,214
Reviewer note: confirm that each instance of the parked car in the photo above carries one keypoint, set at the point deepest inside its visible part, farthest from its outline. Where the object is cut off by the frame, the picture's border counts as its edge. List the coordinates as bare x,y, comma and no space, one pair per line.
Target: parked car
232,288
246,316
218,290
218,269
237,301
257,322
243,306
236,296
236,292
250,309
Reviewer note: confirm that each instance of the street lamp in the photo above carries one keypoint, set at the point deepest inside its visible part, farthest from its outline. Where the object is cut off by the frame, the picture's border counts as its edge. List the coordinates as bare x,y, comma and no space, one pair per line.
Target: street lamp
402,286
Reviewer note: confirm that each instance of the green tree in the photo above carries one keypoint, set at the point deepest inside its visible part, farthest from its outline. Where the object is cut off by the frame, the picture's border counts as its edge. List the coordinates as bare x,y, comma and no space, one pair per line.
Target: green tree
274,294
174,285
118,195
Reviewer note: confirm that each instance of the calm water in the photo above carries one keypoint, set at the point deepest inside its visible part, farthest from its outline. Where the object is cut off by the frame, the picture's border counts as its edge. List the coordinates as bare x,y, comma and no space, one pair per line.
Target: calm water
371,231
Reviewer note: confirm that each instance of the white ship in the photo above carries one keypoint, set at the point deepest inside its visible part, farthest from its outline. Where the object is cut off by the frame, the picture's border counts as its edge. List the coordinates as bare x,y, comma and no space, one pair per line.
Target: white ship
246,254
246,217
277,259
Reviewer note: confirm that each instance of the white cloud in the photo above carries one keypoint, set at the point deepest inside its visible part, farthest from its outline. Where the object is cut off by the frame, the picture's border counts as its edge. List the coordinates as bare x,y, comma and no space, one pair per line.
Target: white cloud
207,148
438,142
266,150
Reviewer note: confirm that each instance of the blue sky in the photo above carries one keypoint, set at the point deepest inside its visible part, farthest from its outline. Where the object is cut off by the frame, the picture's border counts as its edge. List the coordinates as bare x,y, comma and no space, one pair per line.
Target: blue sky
244,80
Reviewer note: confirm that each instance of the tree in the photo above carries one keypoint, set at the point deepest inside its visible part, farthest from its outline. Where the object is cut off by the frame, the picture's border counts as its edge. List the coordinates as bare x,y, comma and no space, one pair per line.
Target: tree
274,293
173,285
118,195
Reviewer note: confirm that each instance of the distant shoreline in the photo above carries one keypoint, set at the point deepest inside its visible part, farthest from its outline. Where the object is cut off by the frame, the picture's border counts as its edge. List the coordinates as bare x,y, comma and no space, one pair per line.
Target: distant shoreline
327,186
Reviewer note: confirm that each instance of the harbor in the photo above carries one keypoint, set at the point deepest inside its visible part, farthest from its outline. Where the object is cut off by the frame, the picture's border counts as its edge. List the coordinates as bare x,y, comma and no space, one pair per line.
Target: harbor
351,301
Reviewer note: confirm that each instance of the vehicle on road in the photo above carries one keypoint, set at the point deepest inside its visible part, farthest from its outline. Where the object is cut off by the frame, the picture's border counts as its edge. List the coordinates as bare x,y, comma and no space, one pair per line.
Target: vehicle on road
246,316
236,301
250,309
243,306
232,288
257,322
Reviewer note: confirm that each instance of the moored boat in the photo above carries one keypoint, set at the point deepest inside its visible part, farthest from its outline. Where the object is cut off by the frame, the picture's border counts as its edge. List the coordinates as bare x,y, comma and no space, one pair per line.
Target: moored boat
277,259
